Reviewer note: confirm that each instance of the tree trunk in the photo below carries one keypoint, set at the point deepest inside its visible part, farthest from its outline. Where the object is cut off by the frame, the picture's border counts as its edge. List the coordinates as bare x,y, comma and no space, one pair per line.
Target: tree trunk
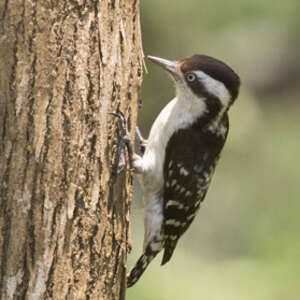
64,218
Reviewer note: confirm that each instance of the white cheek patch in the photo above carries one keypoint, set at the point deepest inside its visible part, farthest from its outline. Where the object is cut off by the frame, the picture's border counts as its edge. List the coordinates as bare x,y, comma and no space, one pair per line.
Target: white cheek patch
189,102
214,87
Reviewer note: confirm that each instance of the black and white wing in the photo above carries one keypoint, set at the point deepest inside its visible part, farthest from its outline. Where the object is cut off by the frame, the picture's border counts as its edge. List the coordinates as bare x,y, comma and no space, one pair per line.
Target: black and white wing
190,160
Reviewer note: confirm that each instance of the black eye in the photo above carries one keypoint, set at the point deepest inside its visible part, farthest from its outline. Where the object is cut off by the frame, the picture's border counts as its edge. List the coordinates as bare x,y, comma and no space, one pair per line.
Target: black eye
190,77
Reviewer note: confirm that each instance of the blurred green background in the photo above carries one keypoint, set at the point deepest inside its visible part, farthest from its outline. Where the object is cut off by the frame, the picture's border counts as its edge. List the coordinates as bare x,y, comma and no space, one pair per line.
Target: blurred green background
245,241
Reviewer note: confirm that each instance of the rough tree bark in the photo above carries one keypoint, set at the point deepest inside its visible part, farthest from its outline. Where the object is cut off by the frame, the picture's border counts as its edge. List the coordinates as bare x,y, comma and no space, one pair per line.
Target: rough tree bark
64,219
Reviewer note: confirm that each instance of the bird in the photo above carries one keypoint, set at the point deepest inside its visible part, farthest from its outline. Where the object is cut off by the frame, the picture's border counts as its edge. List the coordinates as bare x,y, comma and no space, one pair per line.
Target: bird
182,151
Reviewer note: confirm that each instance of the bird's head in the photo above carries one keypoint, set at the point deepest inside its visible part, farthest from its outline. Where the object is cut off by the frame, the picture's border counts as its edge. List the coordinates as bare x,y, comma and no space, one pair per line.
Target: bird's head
203,78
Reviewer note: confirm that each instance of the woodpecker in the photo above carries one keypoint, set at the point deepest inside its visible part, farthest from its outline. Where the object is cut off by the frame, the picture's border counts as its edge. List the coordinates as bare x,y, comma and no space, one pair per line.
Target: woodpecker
182,151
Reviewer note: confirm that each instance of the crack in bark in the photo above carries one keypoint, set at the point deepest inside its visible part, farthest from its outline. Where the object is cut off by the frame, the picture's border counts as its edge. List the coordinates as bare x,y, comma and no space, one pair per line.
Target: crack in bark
50,276
6,237
30,220
4,10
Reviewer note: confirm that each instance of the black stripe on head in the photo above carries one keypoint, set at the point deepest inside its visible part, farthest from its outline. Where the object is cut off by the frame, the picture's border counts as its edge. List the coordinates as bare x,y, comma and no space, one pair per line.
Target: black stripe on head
215,69
214,104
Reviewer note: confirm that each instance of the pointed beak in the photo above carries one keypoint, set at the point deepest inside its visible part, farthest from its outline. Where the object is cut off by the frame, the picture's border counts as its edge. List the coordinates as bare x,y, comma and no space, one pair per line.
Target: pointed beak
171,66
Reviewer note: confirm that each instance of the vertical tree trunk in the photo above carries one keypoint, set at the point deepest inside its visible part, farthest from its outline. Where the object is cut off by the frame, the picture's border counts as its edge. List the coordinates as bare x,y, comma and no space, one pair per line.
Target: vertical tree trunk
64,218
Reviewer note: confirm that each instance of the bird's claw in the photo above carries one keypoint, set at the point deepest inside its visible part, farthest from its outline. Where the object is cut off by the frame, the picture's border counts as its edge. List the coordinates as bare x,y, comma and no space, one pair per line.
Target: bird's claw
124,141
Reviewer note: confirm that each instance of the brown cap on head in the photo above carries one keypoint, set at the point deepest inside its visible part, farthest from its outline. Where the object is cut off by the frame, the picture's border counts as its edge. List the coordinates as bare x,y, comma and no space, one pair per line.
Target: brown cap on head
215,69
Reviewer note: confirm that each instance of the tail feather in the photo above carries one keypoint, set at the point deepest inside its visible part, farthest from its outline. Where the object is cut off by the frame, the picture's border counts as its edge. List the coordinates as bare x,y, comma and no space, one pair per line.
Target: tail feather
141,265
139,268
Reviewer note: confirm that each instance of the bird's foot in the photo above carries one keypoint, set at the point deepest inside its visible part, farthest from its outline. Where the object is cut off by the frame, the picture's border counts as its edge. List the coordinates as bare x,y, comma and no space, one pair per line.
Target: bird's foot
124,142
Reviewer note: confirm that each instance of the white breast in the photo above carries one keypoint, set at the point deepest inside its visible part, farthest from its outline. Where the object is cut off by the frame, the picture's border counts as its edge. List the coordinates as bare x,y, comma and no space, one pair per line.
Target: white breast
177,114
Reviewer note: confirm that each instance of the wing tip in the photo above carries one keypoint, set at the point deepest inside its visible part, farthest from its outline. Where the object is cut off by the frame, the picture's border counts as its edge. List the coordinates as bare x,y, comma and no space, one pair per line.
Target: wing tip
168,252
165,259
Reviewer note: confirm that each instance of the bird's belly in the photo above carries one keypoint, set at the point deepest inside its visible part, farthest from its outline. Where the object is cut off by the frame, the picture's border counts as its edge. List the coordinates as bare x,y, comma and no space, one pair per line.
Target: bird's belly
152,178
